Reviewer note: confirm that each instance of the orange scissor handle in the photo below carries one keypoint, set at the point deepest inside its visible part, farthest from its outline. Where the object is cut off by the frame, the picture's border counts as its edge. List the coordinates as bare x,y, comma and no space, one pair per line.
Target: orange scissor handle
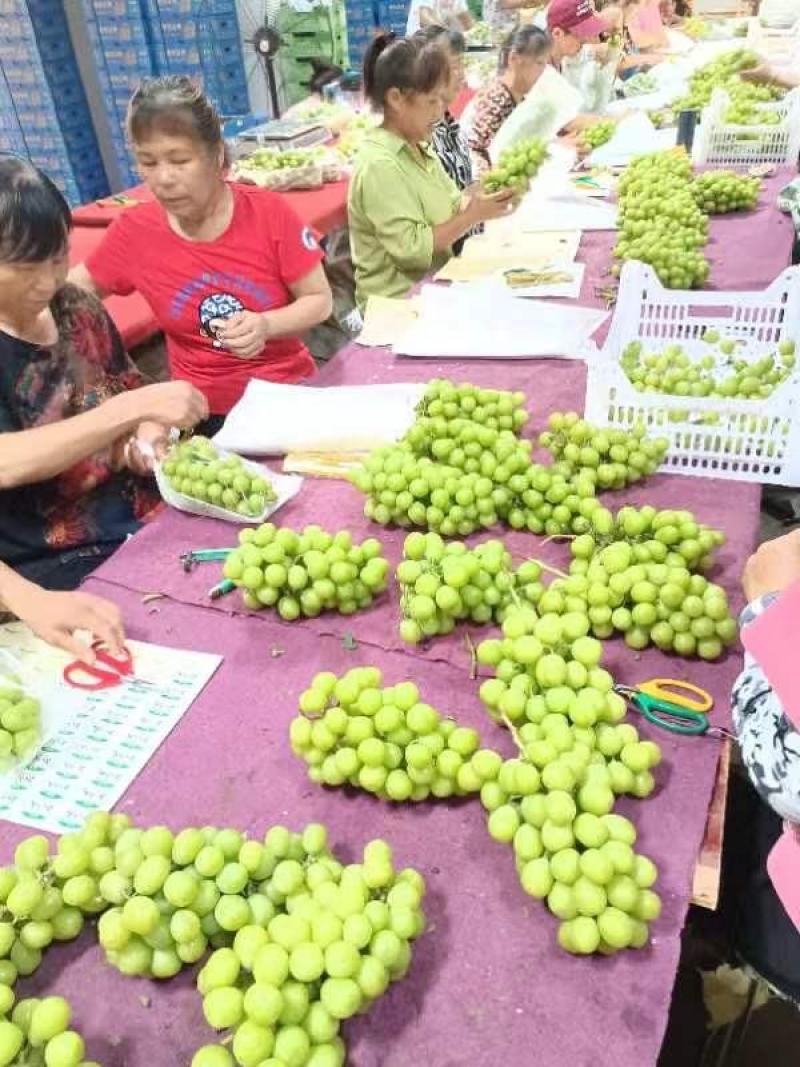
684,694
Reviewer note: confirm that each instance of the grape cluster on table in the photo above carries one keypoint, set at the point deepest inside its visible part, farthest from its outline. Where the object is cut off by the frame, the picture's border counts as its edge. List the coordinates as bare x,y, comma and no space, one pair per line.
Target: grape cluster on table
719,192
299,941
306,573
660,222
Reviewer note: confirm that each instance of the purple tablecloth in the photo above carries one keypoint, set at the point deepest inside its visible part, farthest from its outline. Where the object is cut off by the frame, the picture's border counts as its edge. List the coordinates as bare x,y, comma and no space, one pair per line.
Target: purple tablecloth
488,985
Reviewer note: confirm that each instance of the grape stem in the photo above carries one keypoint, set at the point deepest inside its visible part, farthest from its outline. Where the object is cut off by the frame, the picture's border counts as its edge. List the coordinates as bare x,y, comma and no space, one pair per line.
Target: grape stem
509,725
547,567
473,657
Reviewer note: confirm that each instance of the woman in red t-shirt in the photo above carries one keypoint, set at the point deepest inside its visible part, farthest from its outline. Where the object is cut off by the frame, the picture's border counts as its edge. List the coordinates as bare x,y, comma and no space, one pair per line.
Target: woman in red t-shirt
232,275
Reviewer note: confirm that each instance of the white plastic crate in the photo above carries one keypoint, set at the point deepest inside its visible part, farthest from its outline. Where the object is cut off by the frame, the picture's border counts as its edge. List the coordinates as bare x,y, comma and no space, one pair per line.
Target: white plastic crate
723,144
737,439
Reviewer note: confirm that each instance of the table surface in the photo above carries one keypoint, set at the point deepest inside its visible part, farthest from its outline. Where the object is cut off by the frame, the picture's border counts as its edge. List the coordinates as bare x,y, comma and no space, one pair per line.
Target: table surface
488,983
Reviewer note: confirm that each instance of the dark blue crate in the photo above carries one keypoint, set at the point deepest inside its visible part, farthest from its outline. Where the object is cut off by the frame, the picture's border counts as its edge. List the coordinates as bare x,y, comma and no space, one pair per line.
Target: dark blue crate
107,10
218,29
231,103
156,9
169,29
117,32
127,58
217,7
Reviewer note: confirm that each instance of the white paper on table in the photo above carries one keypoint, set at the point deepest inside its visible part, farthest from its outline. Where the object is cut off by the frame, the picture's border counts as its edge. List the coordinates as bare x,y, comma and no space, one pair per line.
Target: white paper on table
568,210
273,419
102,739
569,290
547,108
635,135
481,321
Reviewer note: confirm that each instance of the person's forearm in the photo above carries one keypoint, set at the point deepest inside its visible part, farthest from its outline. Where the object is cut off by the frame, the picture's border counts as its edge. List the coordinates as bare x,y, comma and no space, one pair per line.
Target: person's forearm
786,79
298,317
12,589
34,455
427,17
447,232
515,5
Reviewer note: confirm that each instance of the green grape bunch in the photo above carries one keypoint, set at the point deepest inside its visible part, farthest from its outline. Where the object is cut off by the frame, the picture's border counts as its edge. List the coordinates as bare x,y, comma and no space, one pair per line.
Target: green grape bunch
724,73
197,470
303,574
554,803
719,192
660,222
37,1031
443,583
599,133
641,578
516,166
338,937
616,458
20,722
385,740
720,373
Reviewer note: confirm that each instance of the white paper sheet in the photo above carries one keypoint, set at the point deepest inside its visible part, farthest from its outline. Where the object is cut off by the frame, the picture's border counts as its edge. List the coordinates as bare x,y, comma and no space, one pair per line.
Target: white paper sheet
481,321
568,210
273,419
547,108
102,739
634,136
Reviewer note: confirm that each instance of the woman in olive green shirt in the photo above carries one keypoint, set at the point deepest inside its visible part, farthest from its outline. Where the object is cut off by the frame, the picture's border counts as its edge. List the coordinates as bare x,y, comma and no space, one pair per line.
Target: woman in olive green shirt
404,211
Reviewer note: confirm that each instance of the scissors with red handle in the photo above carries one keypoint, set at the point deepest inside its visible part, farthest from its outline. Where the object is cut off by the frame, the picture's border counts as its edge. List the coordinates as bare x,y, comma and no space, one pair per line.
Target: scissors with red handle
106,672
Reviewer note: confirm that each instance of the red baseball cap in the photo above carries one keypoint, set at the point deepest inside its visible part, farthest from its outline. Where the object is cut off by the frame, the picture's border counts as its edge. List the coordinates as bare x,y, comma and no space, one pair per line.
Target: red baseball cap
575,16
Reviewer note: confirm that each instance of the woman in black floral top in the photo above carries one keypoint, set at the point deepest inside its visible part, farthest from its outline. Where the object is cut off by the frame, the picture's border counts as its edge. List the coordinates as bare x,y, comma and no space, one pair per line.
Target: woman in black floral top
74,421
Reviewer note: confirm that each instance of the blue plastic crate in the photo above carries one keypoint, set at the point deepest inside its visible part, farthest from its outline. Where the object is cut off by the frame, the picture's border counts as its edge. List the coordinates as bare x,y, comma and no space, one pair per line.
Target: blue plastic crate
107,9
121,32
228,104
173,29
161,8
127,58
181,54
220,29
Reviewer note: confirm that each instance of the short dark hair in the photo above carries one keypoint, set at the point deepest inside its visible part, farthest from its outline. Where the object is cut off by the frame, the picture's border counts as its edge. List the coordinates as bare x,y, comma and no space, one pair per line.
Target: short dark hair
405,63
175,104
525,41
35,219
453,40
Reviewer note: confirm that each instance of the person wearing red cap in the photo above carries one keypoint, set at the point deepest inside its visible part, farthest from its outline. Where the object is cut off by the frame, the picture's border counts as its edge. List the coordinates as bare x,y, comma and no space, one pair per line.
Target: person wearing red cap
572,24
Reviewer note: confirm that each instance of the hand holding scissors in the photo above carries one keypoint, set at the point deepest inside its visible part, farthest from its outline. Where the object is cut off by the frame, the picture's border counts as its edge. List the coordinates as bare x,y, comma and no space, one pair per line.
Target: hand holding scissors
107,671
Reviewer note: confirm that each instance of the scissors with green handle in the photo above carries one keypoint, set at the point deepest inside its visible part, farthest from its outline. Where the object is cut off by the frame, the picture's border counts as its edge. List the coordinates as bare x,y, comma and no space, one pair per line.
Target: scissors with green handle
673,705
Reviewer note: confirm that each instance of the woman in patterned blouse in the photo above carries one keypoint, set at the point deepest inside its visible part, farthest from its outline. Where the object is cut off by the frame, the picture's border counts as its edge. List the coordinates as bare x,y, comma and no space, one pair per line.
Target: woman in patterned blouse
447,139
523,59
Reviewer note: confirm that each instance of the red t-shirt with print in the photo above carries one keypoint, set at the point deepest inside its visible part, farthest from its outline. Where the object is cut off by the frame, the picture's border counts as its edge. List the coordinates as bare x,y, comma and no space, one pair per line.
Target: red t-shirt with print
191,285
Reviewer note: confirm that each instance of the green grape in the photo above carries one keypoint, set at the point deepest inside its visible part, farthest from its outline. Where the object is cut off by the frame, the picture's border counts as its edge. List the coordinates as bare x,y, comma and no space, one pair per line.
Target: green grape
196,469
306,573
516,166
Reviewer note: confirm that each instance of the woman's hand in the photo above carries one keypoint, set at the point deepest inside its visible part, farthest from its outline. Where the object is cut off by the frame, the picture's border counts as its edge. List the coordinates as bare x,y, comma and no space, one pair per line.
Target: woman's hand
488,206
760,75
168,403
773,567
145,448
56,616
245,333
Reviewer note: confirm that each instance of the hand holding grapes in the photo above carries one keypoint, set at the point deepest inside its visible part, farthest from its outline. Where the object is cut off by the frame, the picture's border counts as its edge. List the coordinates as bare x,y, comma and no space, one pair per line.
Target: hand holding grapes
488,206
245,333
773,567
